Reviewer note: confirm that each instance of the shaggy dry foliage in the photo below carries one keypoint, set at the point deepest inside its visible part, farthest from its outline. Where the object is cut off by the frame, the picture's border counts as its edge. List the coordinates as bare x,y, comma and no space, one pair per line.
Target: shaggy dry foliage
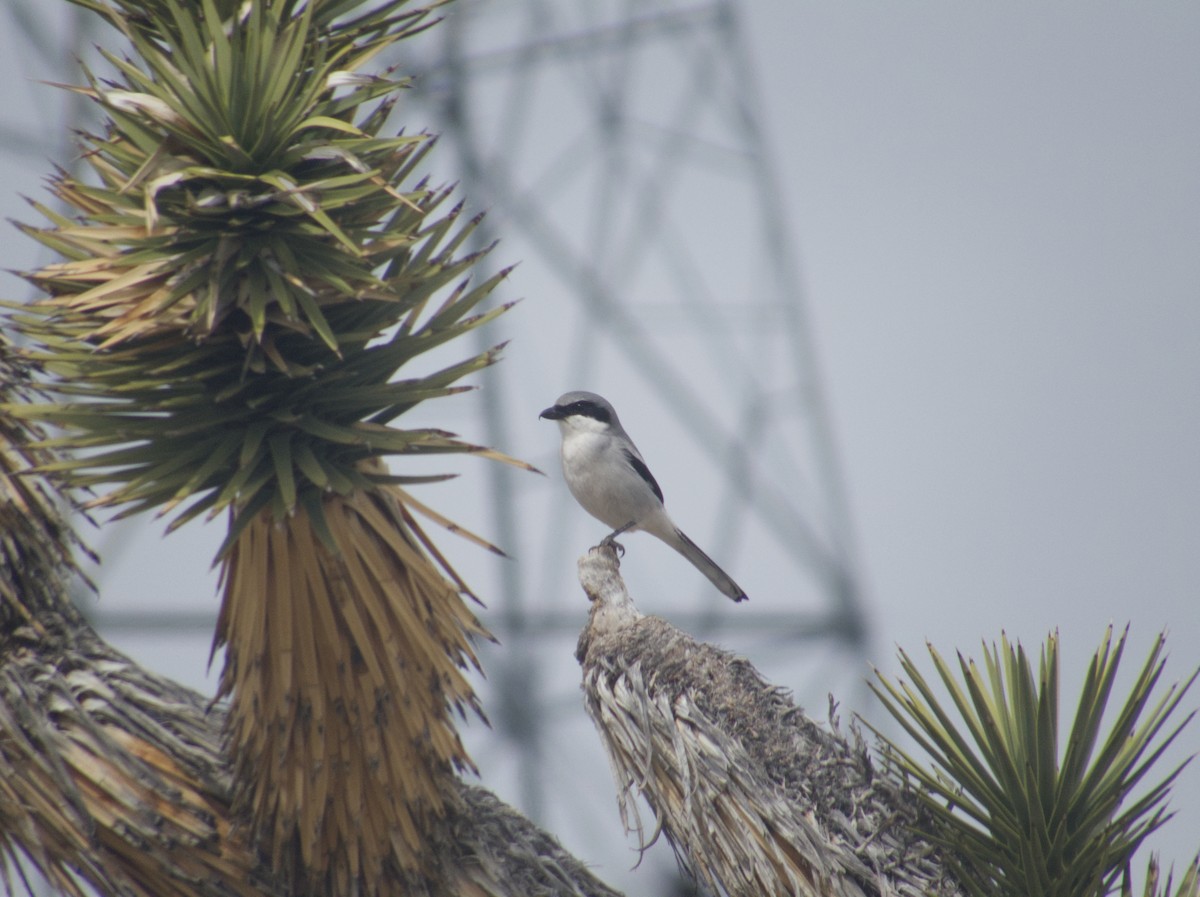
754,797
340,666
35,545
110,775
114,777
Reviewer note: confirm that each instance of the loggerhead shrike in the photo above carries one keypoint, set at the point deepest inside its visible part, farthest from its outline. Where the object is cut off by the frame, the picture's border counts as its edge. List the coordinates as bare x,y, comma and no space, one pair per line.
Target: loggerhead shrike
606,474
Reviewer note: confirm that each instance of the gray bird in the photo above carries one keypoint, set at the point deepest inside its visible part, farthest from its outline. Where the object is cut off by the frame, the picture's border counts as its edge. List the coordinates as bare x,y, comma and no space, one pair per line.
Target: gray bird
606,474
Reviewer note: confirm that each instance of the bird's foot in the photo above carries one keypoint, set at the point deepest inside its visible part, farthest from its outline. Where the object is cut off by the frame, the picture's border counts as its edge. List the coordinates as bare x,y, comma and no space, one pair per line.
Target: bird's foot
610,542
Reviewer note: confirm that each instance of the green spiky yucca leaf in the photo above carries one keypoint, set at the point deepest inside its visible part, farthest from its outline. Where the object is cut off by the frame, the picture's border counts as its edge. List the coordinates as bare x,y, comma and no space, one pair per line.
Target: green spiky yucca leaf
249,266
1155,886
1022,817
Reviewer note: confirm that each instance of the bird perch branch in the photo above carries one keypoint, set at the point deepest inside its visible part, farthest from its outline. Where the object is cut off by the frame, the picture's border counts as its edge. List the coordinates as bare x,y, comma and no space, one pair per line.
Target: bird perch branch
753,796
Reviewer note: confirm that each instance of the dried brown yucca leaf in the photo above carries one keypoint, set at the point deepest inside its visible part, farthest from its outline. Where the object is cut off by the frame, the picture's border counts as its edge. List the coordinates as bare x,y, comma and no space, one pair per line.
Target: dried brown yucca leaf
342,666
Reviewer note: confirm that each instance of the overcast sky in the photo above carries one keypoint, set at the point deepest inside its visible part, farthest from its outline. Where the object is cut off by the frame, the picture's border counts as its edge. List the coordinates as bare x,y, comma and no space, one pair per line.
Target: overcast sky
995,212
997,208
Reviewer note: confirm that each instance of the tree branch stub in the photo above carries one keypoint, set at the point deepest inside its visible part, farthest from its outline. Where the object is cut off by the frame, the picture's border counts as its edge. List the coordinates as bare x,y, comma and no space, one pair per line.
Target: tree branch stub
753,796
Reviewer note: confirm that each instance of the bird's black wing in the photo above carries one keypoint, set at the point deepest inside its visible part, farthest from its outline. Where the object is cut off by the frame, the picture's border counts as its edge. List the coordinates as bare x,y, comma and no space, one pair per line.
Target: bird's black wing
644,472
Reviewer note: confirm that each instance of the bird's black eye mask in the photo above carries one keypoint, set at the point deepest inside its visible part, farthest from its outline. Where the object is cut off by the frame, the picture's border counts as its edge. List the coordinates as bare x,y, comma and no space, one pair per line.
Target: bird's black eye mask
588,409
583,408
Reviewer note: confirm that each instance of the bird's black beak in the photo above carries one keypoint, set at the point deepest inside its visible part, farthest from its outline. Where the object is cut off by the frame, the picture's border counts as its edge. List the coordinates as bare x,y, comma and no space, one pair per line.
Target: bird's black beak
552,413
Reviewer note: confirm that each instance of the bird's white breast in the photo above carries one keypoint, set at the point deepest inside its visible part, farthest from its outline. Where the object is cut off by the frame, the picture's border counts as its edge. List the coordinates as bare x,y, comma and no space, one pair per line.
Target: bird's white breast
601,478
587,464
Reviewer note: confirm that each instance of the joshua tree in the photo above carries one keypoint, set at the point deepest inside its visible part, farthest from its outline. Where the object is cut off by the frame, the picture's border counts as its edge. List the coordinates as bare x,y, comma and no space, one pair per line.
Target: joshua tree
242,278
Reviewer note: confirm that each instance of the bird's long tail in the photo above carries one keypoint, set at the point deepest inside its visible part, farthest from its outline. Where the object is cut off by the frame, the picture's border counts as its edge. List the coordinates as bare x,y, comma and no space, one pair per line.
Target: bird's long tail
706,565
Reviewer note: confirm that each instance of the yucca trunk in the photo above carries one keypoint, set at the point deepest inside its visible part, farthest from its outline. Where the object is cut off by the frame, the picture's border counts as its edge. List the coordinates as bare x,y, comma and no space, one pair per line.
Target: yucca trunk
111,775
754,797
341,664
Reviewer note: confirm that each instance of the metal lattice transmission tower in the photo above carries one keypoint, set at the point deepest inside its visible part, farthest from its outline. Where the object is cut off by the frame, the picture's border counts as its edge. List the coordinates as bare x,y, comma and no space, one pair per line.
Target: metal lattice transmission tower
619,147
